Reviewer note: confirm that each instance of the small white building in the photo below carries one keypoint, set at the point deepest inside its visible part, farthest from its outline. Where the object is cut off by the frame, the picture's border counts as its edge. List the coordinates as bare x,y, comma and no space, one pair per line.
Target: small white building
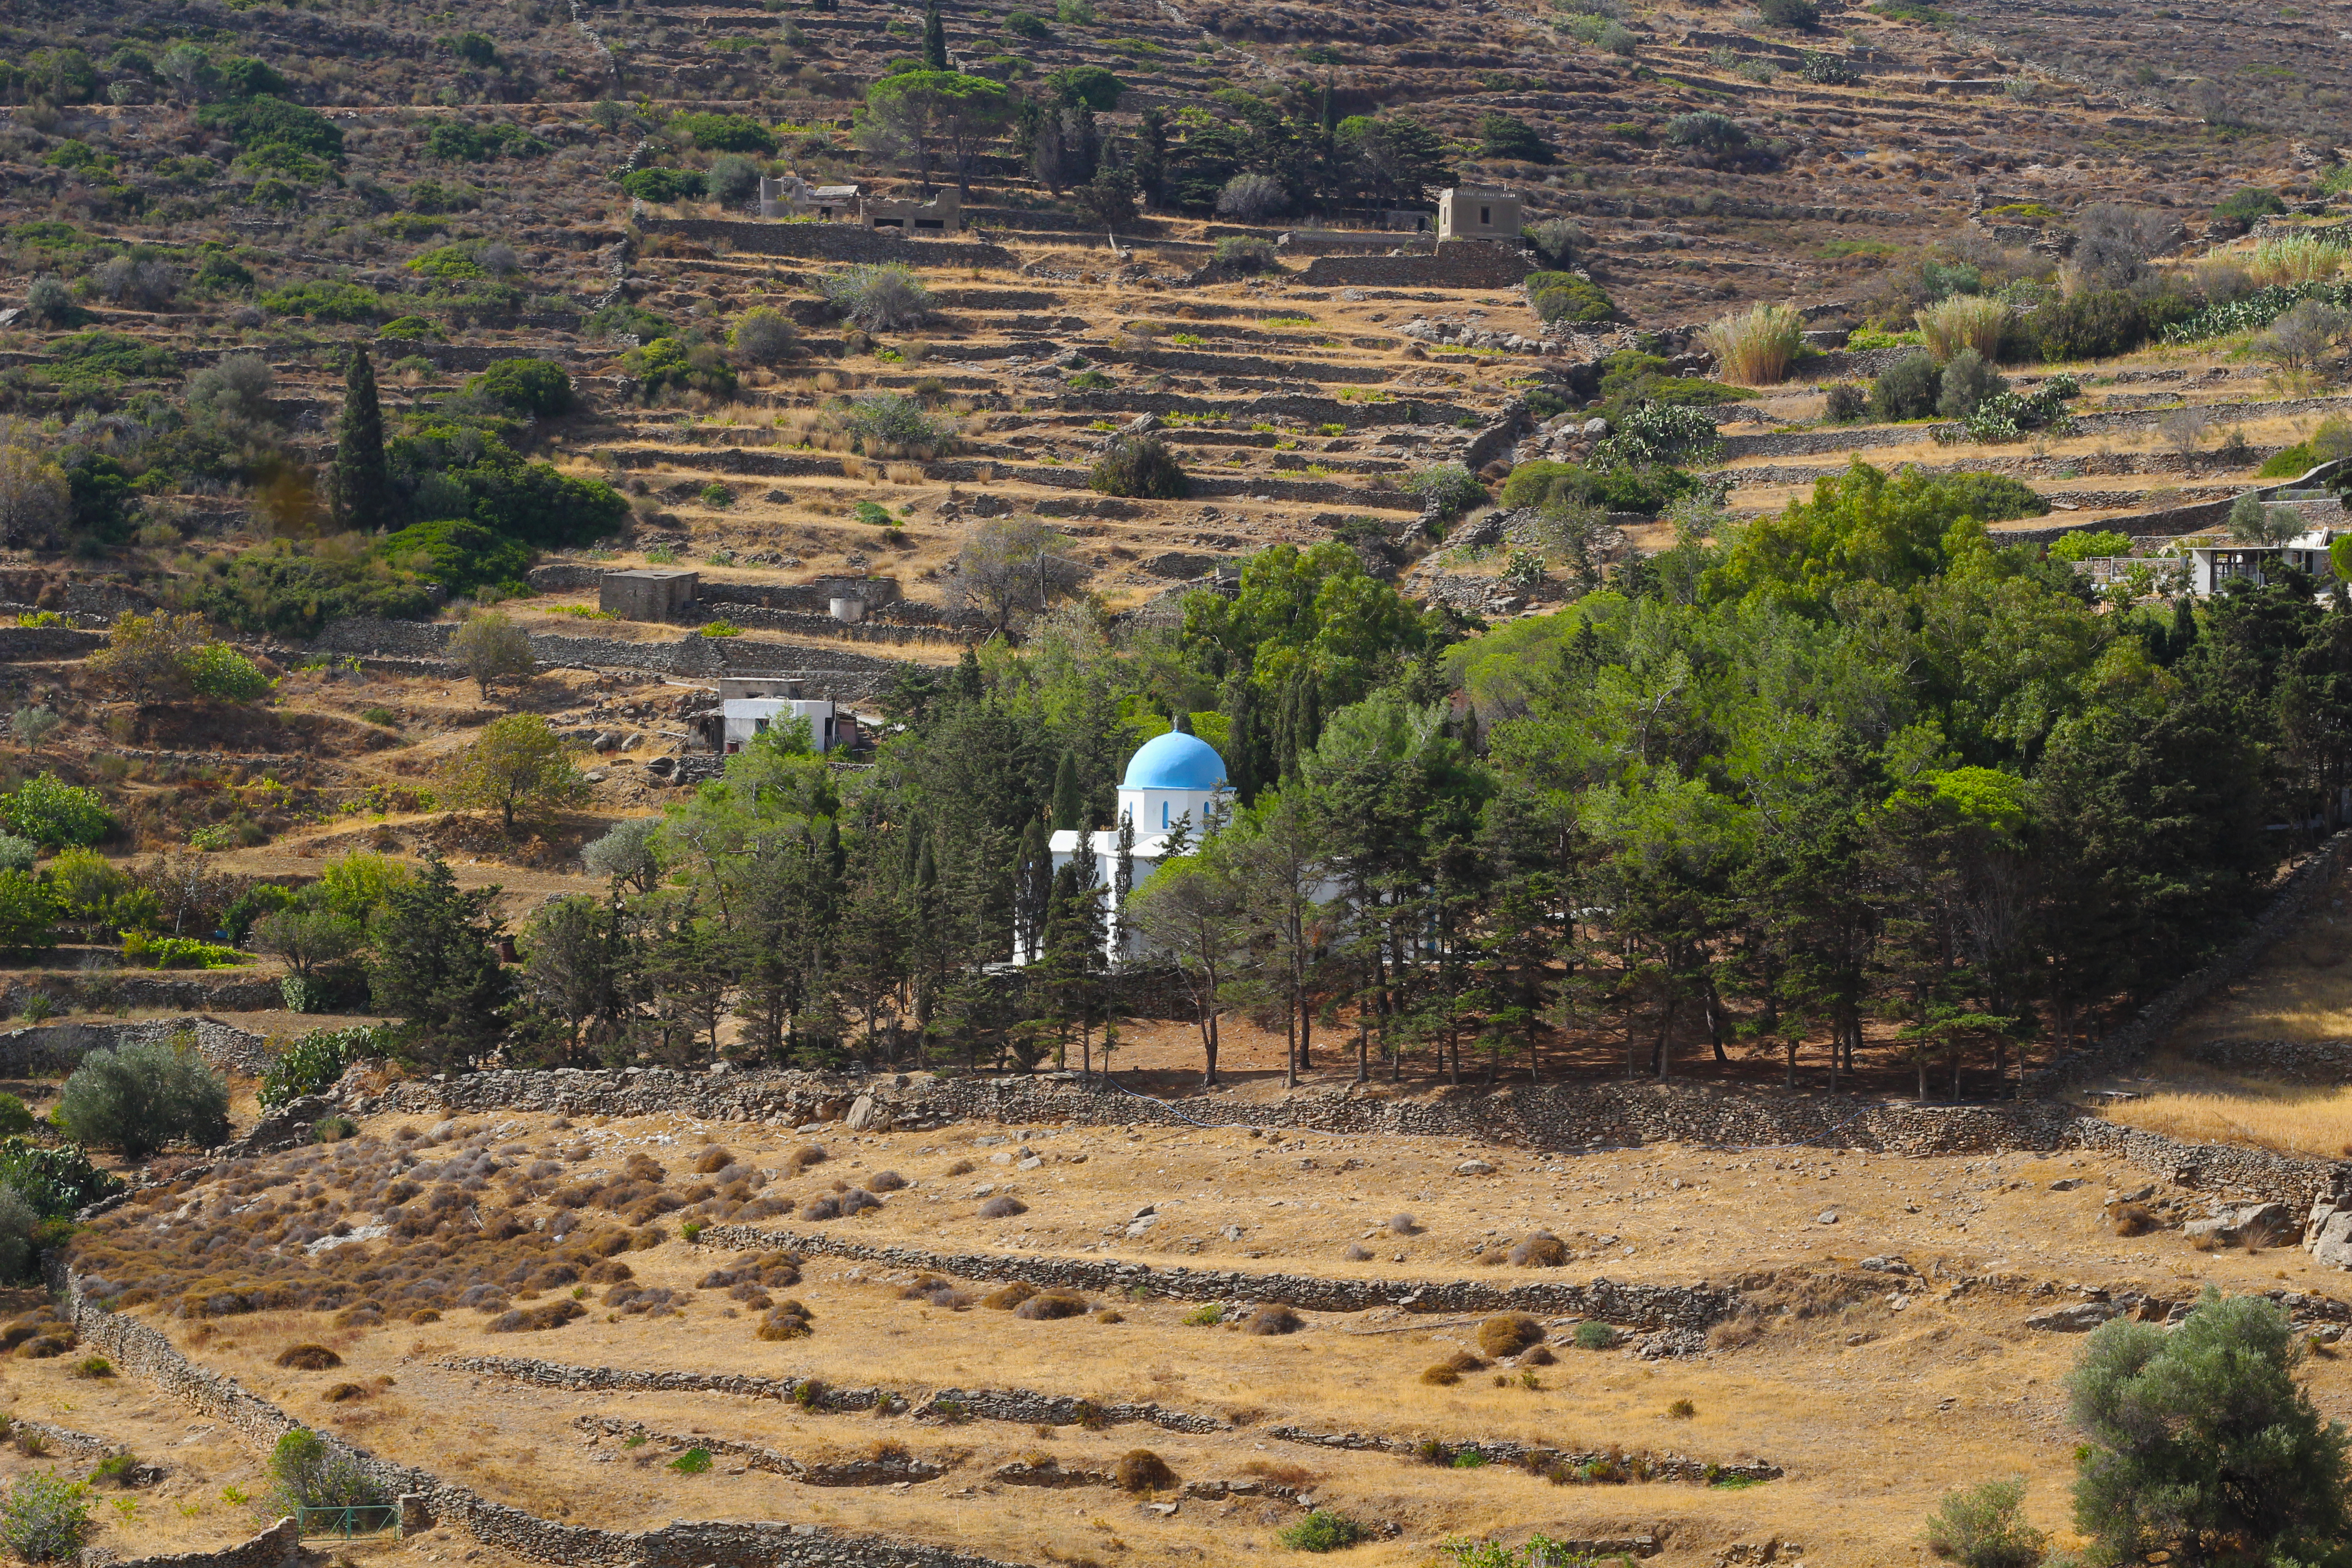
1172,779
751,705
789,195
2211,564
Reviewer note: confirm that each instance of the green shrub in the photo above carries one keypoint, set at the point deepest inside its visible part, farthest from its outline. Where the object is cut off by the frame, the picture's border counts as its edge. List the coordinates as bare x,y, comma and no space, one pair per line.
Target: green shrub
659,184
1507,136
28,912
1322,1531
1026,25
324,301
15,1118
45,1519
1565,297
304,1472
218,671
2201,1433
2085,543
144,952
253,123
1907,389
138,1097
55,1179
2291,462
19,1225
54,814
2097,323
1555,484
693,1462
884,422
2244,207
1246,253
1595,1336
1802,14
1706,131
727,134
1965,383
883,296
461,556
1139,465
668,362
1845,404
1984,1526
526,385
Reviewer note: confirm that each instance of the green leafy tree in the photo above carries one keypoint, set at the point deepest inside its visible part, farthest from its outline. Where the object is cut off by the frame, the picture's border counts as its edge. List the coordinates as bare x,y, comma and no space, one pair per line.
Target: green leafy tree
2203,1443
137,1097
44,1518
491,648
518,767
55,814
927,115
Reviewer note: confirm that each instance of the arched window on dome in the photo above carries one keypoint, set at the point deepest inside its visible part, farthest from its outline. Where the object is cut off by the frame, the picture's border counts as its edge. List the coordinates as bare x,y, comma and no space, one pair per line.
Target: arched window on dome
1163,816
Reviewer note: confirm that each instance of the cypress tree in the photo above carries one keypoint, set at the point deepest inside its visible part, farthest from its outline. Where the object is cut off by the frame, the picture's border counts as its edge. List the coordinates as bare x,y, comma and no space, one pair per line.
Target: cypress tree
1152,158
359,481
1244,743
935,39
2184,628
968,681
1183,724
1069,801
1033,882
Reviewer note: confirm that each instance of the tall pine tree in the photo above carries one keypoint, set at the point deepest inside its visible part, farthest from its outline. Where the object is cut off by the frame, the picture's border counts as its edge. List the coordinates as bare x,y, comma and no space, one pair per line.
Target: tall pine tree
358,481
935,39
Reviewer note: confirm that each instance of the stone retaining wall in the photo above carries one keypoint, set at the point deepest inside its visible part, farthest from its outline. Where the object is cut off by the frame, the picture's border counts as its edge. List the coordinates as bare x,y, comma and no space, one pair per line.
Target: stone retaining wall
25,644
97,990
831,242
1456,264
281,1543
2223,1169
140,1351
2296,1059
1640,1306
836,672
60,1046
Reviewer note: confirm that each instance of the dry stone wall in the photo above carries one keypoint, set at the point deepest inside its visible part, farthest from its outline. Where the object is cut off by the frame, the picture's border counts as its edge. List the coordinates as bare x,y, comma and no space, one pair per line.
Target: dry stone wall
57,1047
141,1352
1456,264
831,242
281,1543
1641,1306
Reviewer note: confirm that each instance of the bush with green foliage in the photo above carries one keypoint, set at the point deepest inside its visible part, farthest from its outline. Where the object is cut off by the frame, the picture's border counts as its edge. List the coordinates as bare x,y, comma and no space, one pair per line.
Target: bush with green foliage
2086,543
1556,485
459,554
1845,403
306,1471
138,1097
56,1179
1967,381
1566,297
46,1517
1802,14
54,814
1141,467
28,912
283,589
880,297
763,336
1507,136
1907,389
725,134
1094,86
2202,1441
313,1064
2244,207
263,122
221,673
324,301
2096,324
1984,1526
1322,1531
885,424
659,184
623,319
18,1225
537,386
1706,129
1246,253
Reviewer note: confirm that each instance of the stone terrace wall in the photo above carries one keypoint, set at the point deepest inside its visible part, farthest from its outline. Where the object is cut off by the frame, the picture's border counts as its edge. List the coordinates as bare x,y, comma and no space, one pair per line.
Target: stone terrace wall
831,242
281,1543
1457,263
23,644
58,1046
1642,1306
2294,1180
843,673
143,1352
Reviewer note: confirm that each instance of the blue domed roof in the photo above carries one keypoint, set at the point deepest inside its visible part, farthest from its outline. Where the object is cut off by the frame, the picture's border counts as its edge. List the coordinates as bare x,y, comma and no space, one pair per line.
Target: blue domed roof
1175,762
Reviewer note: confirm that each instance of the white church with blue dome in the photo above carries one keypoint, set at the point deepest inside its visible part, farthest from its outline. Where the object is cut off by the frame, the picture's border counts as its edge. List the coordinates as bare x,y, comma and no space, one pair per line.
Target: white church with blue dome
1172,778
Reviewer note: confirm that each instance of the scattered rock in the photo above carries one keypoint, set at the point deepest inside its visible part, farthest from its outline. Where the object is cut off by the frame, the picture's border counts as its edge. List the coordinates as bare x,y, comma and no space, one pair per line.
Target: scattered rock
2078,1318
1474,1168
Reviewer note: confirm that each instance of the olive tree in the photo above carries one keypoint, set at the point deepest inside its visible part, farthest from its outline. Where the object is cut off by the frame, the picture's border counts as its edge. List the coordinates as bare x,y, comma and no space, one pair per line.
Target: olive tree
140,1096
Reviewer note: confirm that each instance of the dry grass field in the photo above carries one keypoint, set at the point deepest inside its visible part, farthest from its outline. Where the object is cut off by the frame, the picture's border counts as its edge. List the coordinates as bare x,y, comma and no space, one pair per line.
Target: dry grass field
1874,1391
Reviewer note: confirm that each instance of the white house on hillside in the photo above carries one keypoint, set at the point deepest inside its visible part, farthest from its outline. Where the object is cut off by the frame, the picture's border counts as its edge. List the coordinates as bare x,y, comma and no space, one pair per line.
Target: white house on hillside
1172,778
